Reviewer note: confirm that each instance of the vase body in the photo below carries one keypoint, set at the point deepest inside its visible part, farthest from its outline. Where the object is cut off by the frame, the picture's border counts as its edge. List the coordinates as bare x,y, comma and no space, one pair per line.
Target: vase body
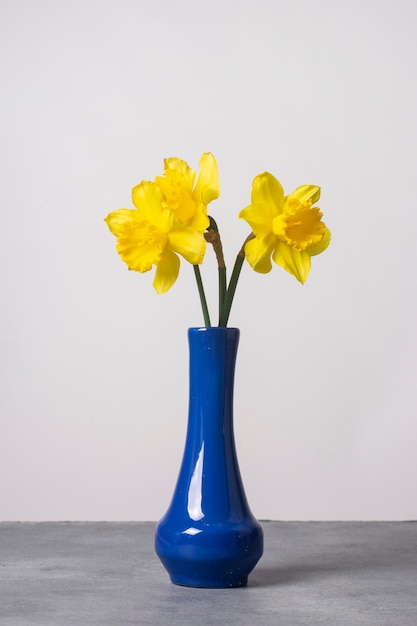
209,537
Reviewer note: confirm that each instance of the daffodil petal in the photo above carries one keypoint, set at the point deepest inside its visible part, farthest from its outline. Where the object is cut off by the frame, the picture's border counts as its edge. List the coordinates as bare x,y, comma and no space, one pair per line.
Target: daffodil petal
189,243
305,193
149,201
258,253
167,271
200,221
182,169
267,190
117,220
296,263
259,218
207,187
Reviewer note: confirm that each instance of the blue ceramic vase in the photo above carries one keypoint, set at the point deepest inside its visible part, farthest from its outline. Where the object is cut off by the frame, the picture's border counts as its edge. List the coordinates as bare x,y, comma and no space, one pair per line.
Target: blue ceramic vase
209,537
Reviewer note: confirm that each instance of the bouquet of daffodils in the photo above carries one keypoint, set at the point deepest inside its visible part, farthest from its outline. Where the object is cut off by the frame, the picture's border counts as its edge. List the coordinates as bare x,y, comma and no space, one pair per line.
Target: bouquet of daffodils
170,219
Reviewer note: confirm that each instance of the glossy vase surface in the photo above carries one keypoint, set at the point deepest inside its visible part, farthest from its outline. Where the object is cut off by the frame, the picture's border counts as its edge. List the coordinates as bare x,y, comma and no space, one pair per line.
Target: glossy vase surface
209,537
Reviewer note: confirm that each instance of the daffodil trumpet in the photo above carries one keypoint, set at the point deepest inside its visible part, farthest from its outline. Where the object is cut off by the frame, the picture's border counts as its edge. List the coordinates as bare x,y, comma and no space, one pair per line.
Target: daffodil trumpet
170,220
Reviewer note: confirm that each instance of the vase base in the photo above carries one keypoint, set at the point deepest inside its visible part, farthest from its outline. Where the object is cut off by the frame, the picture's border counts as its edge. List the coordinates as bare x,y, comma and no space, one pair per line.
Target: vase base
211,584
218,556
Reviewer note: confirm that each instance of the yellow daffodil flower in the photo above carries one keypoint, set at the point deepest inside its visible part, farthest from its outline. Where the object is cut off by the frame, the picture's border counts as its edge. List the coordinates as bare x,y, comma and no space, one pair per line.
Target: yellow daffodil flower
152,234
170,218
189,202
287,228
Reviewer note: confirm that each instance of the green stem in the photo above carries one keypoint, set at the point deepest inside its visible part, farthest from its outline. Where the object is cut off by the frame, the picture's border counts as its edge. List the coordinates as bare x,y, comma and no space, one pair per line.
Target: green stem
202,295
230,293
222,290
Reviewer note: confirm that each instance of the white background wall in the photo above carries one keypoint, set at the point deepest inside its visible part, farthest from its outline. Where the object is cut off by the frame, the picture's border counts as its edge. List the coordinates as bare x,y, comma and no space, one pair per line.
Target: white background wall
94,380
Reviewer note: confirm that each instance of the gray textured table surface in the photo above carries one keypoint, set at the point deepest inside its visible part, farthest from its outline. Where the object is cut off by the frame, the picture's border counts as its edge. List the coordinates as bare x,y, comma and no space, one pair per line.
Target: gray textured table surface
332,573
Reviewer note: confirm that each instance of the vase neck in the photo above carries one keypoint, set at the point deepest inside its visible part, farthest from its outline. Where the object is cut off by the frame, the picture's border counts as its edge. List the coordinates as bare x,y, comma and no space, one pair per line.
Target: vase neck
213,354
